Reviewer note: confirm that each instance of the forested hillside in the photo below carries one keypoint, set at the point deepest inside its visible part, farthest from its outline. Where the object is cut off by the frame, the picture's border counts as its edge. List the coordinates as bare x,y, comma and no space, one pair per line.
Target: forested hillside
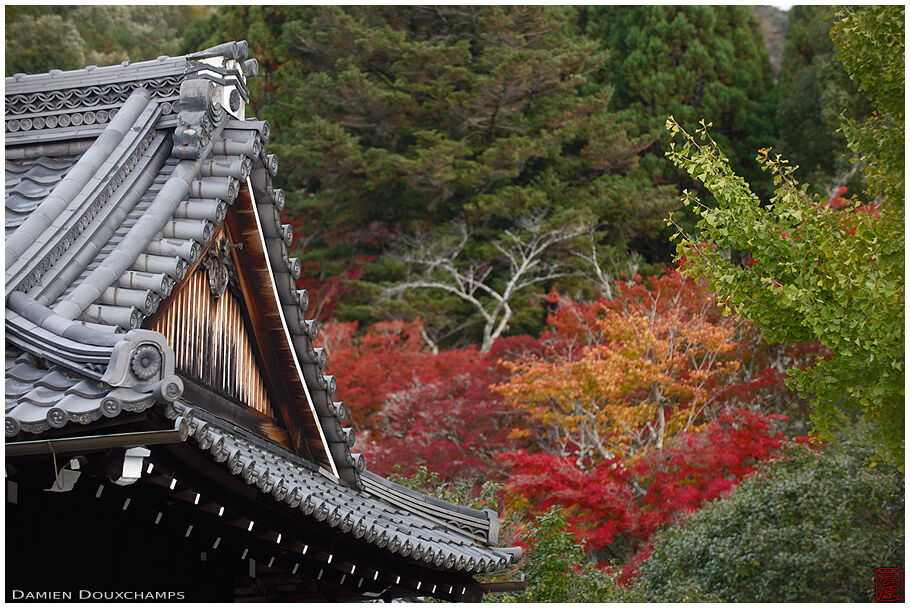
602,269
43,38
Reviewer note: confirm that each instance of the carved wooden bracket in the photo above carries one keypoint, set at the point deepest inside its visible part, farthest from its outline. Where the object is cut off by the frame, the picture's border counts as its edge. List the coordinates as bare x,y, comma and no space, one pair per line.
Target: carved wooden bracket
219,266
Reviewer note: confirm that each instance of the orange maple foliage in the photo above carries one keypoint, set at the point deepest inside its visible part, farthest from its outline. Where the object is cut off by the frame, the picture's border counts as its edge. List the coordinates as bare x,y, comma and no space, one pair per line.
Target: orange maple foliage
622,376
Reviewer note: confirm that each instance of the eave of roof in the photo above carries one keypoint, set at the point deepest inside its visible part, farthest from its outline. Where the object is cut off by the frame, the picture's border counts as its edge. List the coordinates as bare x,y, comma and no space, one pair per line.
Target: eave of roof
451,538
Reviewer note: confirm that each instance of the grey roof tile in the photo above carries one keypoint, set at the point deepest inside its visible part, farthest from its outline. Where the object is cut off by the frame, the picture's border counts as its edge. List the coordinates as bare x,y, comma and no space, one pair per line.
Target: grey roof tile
361,514
15,389
88,389
56,381
38,399
25,372
77,406
28,414
28,182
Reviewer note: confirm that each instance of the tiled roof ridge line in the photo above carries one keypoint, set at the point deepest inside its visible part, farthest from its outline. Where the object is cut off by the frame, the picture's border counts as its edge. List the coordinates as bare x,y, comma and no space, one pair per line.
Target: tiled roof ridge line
61,244
30,117
90,75
42,149
70,186
223,75
174,190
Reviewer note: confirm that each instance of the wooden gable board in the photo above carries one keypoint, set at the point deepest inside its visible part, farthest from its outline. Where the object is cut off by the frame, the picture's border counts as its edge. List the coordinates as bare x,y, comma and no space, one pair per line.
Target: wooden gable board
259,318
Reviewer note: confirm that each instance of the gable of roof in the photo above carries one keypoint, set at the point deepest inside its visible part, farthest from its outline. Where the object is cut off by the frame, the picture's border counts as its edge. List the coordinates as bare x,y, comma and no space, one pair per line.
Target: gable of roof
134,214
119,179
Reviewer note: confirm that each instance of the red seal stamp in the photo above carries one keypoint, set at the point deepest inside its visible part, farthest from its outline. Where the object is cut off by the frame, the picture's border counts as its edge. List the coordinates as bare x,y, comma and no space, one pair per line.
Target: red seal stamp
889,585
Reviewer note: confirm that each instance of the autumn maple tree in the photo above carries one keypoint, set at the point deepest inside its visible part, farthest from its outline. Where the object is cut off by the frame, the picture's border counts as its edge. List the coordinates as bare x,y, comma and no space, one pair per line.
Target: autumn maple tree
622,376
417,407
615,506
646,409
625,413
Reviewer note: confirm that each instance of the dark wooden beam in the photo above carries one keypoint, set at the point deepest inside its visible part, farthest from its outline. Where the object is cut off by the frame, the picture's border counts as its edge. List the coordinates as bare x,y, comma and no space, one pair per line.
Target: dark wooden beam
278,355
216,484
503,587
235,412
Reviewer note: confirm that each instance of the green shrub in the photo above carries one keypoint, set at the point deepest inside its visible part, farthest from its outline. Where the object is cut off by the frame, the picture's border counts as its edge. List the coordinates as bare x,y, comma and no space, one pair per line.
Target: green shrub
554,568
812,527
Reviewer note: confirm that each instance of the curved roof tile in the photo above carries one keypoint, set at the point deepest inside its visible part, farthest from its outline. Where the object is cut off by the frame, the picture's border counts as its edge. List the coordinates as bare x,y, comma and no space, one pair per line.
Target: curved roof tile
390,525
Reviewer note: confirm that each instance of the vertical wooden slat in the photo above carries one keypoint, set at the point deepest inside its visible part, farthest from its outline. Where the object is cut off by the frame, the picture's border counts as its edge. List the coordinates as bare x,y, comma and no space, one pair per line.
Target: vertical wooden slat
223,315
247,376
238,368
182,342
217,346
210,340
171,329
195,319
198,319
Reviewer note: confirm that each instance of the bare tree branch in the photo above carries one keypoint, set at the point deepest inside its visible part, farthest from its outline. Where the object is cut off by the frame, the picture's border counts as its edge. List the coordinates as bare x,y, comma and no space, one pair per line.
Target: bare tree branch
525,251
606,268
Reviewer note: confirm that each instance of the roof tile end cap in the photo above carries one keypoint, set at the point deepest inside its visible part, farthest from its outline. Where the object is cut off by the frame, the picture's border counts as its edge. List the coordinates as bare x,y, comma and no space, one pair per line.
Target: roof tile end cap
493,516
229,50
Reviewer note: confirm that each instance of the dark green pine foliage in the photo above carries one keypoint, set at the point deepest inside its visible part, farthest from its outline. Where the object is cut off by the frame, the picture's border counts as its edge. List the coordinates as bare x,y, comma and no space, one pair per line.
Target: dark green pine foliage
694,63
389,119
814,91
43,43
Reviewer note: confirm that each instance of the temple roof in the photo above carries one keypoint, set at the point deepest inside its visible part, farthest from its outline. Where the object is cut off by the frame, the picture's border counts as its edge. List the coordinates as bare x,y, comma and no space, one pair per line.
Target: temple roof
117,178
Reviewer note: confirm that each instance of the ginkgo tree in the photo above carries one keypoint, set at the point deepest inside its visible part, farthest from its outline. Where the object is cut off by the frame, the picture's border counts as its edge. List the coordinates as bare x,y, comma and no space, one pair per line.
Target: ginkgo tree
820,272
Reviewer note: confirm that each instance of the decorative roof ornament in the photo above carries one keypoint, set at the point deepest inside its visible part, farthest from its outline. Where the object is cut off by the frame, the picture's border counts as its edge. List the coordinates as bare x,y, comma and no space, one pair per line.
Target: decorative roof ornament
229,50
199,112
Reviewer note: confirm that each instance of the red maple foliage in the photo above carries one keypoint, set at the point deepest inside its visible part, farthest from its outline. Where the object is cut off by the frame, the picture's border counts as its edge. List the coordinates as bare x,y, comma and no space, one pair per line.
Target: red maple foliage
445,410
387,358
702,466
616,506
413,407
599,504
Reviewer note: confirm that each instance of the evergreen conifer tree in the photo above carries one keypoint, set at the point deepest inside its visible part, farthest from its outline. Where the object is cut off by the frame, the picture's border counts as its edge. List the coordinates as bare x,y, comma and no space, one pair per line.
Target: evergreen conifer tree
691,62
398,118
814,91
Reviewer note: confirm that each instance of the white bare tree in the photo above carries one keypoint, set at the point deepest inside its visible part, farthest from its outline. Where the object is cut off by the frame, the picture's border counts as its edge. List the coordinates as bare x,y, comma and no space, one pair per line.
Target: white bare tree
524,259
606,267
